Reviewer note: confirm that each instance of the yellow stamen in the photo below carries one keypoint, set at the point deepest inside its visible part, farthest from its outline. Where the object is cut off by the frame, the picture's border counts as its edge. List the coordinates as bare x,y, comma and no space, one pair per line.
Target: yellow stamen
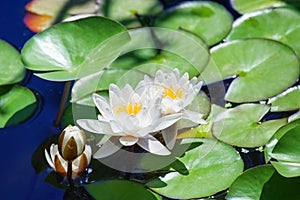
169,92
130,108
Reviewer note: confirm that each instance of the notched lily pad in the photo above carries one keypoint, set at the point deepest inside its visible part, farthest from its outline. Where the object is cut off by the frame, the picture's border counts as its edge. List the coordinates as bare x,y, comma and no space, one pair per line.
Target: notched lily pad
209,20
281,24
213,165
62,53
285,153
258,65
276,137
16,105
241,126
125,11
286,101
263,183
12,69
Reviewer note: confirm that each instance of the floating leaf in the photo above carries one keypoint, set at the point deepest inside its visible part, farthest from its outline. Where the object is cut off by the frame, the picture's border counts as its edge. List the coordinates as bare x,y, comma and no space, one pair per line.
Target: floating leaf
62,53
241,126
263,183
120,189
16,105
209,20
276,137
284,23
286,101
287,152
12,69
84,88
177,49
213,166
287,148
287,169
246,6
125,11
259,63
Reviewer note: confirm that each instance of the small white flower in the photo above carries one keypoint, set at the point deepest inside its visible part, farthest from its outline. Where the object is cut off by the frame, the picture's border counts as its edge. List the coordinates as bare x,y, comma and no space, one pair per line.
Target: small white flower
129,117
178,92
60,165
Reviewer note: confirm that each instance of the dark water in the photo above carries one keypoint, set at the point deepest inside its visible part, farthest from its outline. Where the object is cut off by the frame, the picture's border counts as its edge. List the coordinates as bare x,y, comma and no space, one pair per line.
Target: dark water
18,143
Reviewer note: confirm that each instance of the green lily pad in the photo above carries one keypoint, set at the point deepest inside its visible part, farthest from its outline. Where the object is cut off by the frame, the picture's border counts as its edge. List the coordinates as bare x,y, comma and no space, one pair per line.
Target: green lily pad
125,11
280,24
258,64
287,169
246,6
12,69
276,137
286,101
287,153
16,105
241,126
62,53
263,183
175,49
209,20
212,165
287,148
84,88
120,189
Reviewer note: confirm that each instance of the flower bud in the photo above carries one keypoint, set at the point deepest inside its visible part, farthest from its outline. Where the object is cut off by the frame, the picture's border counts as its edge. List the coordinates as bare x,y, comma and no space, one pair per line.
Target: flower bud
60,165
71,143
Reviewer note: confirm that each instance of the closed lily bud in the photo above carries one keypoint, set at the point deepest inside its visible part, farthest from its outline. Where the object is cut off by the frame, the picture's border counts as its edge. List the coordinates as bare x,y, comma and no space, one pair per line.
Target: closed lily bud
71,143
60,165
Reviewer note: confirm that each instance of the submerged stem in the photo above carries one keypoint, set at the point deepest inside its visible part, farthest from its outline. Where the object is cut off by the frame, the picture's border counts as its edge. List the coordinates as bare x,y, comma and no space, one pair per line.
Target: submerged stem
63,101
69,174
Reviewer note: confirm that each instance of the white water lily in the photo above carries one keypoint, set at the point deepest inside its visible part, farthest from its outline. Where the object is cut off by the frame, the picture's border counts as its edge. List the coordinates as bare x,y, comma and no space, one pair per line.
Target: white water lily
129,118
60,165
178,93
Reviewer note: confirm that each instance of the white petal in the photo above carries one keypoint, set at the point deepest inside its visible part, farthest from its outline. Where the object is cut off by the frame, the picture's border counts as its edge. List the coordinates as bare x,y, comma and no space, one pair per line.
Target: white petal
128,140
116,128
176,73
169,134
53,151
127,92
193,116
115,89
103,106
115,101
184,79
95,126
88,152
197,87
50,162
152,145
108,148
166,121
171,106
